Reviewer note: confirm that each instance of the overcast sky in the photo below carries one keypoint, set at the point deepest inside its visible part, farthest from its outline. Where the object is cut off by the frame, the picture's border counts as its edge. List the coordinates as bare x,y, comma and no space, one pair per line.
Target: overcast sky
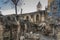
7,7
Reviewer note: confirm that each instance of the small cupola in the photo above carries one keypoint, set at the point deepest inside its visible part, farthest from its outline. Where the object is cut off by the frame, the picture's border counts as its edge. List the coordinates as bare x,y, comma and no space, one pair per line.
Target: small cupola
39,6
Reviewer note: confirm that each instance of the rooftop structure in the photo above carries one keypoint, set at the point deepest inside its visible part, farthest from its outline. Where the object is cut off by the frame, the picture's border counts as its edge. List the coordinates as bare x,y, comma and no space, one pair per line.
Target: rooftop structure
39,6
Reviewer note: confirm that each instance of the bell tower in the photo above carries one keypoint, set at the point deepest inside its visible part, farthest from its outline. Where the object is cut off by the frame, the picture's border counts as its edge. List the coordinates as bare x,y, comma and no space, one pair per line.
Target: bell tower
39,6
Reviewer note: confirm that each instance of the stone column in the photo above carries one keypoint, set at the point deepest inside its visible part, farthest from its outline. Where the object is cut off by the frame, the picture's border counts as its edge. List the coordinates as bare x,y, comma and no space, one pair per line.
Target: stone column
42,19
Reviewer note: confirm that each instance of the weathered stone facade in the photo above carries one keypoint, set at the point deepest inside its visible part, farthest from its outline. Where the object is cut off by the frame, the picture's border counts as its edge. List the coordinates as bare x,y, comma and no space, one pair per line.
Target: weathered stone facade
34,26
8,23
35,17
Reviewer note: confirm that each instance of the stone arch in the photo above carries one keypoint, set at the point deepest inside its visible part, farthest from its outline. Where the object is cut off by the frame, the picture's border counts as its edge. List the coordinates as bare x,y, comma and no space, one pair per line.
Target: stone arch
37,17
28,17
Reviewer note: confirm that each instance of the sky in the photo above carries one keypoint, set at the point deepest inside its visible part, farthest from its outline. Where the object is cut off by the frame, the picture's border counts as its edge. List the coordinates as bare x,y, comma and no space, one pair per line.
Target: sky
7,6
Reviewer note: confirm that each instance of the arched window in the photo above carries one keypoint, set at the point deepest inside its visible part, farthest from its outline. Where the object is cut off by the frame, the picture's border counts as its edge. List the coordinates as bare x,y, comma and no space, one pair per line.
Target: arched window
27,17
37,18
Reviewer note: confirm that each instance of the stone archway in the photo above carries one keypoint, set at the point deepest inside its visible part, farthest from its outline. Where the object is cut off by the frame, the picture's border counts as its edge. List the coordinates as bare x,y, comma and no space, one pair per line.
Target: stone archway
37,17
27,17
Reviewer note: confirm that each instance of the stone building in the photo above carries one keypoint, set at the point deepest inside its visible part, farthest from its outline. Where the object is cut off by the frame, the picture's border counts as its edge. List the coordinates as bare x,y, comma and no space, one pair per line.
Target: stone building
37,16
8,25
